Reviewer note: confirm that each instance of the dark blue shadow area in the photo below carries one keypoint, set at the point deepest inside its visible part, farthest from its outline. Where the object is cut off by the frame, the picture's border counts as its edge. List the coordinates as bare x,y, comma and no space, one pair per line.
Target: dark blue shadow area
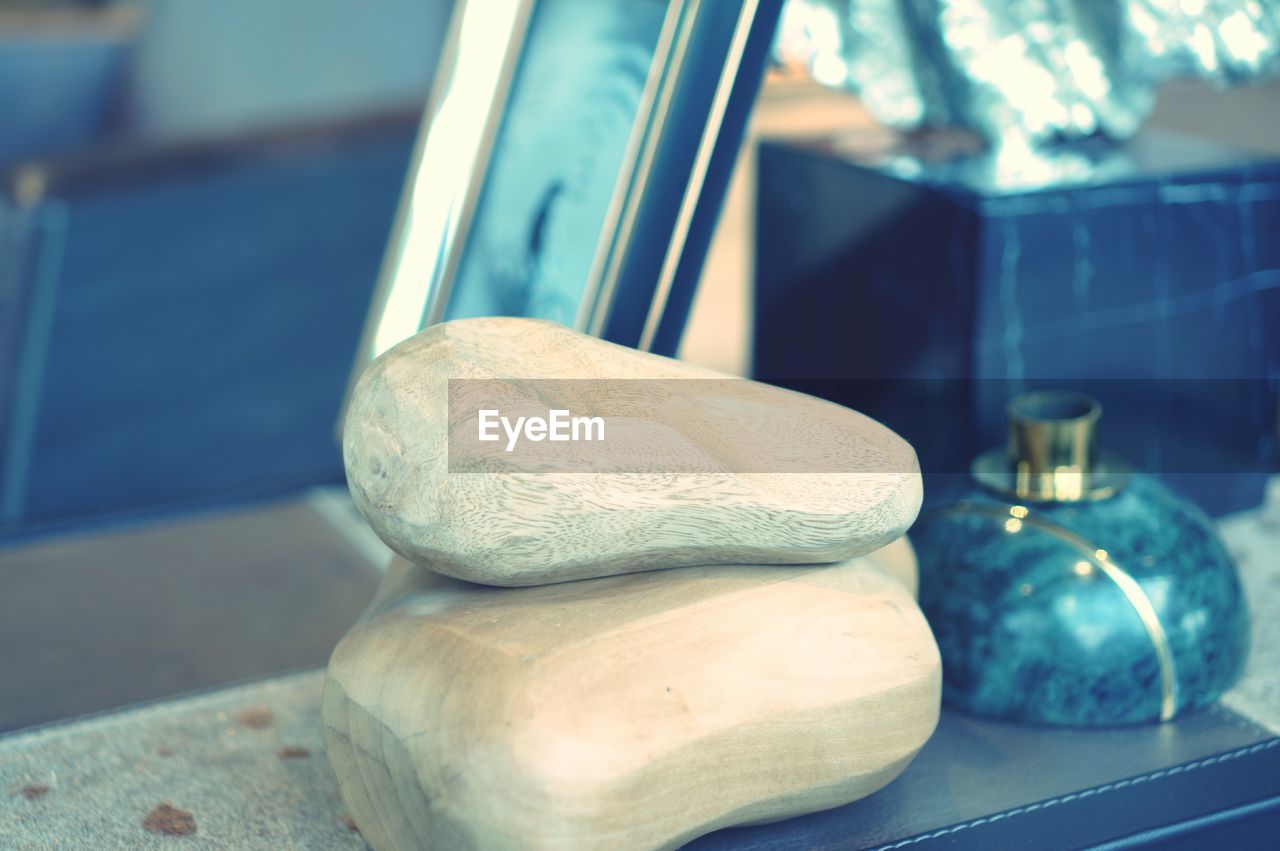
201,323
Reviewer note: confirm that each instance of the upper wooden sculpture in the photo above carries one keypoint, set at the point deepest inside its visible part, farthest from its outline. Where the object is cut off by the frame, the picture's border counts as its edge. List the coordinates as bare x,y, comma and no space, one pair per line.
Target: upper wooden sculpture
729,472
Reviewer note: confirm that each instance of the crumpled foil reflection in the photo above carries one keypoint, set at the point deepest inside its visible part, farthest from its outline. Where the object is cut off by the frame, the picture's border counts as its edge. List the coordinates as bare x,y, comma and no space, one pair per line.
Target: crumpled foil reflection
1026,73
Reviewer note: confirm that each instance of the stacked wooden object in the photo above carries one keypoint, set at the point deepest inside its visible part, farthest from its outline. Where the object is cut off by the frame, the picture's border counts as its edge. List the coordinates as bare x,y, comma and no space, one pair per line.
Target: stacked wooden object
686,650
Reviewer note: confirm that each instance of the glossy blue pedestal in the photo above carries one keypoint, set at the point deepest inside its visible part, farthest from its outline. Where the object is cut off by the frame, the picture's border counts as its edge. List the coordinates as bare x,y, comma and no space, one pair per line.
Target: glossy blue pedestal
924,289
1118,611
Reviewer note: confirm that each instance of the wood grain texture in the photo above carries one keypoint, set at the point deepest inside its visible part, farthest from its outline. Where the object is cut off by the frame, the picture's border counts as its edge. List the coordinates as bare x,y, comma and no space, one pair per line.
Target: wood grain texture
508,527
635,711
897,559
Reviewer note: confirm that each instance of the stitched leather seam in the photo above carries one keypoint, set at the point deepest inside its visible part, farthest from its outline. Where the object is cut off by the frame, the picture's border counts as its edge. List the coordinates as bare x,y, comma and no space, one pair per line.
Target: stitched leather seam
1087,793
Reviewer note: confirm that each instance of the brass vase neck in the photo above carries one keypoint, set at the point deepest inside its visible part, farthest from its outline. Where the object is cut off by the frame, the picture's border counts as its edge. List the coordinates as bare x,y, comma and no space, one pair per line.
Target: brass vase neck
1053,444
1052,454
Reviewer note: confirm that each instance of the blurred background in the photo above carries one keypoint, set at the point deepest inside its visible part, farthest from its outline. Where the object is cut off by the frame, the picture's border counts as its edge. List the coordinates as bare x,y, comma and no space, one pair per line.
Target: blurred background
194,201
195,198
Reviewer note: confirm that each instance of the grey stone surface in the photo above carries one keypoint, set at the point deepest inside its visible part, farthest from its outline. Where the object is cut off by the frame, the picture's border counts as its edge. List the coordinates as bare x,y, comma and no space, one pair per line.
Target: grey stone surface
104,774
1253,538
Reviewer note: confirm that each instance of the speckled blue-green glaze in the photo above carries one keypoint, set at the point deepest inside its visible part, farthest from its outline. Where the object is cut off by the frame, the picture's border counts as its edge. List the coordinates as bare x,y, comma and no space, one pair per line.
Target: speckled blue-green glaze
1028,632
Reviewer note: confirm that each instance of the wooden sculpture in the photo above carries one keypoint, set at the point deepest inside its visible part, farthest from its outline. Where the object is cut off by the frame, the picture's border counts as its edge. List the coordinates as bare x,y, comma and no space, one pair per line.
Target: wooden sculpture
777,663
695,468
635,711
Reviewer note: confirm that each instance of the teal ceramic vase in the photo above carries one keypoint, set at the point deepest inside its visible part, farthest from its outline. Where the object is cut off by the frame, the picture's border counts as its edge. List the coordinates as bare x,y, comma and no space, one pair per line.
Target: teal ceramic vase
1064,590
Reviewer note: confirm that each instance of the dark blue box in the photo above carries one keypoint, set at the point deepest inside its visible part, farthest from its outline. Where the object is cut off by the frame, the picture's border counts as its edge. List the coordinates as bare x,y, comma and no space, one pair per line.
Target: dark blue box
926,289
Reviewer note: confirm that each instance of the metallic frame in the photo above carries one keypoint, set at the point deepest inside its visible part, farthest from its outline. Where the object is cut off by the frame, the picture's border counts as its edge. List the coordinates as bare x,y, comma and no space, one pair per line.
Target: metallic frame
455,147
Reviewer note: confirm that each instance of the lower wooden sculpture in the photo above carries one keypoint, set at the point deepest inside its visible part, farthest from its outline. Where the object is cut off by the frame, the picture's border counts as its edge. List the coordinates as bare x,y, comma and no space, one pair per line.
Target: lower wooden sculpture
625,712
